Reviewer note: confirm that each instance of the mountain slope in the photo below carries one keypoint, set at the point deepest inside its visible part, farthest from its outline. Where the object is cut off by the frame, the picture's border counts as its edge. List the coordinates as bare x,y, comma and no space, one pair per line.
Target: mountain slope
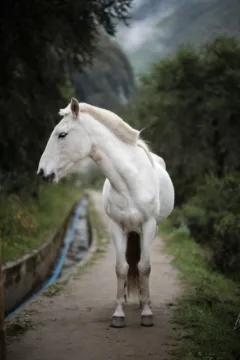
166,24
109,81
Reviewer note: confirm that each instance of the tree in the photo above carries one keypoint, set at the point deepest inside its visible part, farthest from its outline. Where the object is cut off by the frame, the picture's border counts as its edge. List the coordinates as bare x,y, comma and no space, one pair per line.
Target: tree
189,107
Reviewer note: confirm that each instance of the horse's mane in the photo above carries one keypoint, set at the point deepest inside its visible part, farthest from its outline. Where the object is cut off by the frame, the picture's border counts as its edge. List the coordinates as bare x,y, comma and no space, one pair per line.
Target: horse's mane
114,123
107,118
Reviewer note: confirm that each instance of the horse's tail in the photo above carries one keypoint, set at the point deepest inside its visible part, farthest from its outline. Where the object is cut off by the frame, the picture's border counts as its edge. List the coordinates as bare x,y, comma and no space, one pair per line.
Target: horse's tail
133,254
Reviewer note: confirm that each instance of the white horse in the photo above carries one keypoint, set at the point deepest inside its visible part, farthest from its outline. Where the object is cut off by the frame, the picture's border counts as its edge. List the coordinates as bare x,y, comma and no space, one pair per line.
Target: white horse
137,194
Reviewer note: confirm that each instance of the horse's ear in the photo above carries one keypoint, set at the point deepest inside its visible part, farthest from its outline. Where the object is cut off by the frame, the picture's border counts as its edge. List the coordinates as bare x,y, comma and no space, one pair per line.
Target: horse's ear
74,107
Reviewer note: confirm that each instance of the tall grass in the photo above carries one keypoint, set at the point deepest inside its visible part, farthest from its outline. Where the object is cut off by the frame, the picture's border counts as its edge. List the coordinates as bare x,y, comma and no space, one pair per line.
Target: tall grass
209,306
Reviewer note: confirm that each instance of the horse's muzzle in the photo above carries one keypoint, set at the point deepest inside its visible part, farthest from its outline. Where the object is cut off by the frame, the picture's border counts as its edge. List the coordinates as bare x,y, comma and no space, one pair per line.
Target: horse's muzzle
48,178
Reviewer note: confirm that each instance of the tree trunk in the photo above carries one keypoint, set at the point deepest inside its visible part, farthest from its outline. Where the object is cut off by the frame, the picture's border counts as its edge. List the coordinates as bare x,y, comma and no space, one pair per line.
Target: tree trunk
3,350
218,153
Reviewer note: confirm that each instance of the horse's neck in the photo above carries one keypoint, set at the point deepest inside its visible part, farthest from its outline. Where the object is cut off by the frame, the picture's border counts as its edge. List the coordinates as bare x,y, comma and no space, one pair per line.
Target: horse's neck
110,154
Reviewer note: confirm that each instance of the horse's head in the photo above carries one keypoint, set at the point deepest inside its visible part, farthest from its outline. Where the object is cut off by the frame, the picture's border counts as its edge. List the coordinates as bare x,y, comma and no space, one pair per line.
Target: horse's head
68,144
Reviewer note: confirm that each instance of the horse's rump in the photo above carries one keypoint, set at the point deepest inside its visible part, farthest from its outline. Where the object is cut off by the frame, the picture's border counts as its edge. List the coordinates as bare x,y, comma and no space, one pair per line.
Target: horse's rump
133,255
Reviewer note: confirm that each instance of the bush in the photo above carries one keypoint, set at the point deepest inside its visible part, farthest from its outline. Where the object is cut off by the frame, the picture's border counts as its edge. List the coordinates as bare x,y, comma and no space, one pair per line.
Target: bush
197,221
213,218
226,244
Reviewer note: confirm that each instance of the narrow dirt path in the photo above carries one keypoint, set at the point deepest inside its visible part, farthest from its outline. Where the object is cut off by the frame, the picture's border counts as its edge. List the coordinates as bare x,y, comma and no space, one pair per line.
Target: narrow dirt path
76,323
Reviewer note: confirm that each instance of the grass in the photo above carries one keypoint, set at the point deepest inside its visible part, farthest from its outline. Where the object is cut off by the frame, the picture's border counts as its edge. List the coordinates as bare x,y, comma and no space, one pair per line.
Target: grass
26,223
209,306
53,290
19,327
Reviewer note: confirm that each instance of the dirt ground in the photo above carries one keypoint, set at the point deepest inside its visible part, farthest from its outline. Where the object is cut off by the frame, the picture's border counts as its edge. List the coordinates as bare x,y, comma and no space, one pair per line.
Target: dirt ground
75,324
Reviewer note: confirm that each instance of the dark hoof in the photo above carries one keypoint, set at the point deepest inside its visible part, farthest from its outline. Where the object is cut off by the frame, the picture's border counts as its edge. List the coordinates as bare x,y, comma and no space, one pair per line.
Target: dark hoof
118,322
147,320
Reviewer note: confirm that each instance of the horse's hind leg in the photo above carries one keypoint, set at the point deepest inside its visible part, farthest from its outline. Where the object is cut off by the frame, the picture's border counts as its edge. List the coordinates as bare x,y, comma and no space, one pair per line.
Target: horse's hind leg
148,234
125,291
120,242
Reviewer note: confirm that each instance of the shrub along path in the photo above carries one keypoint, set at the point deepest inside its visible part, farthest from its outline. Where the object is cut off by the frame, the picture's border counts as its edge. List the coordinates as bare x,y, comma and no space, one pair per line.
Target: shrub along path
208,312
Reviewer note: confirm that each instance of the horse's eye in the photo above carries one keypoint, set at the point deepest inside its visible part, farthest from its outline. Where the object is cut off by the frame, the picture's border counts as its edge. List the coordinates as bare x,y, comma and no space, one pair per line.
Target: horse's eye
62,135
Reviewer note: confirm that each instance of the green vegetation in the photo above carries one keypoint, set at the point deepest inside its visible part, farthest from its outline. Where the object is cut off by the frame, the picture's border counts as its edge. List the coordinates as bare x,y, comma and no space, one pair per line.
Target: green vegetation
209,307
20,326
212,216
53,290
25,223
189,108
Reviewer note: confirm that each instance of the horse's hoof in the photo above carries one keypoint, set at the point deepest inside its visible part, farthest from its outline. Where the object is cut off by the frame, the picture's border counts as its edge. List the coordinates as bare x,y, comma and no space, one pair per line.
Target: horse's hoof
118,322
147,320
